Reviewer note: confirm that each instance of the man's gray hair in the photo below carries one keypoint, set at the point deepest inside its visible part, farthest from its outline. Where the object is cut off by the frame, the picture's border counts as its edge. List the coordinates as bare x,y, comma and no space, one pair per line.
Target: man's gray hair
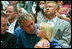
54,3
25,16
16,9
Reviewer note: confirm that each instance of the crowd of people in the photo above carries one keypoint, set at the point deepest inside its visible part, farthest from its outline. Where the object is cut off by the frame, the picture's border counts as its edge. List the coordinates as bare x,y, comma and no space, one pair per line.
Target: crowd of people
40,24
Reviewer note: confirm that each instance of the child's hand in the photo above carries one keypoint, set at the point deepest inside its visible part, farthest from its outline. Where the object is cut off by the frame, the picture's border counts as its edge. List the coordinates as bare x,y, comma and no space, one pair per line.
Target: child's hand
62,9
46,44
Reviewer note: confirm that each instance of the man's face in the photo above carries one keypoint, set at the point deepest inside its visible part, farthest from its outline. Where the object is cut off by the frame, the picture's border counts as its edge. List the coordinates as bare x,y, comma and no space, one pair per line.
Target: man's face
41,4
50,9
3,25
13,2
10,12
28,26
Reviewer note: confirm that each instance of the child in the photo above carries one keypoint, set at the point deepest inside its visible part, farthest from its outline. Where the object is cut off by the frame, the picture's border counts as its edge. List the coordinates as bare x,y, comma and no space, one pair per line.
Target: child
46,33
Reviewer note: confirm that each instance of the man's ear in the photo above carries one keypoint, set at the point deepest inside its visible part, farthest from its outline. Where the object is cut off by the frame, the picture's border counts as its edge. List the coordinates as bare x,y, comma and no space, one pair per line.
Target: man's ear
16,14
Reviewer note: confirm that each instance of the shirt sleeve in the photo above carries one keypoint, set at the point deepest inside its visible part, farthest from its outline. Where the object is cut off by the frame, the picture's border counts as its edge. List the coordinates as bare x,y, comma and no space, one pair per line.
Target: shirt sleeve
66,38
55,44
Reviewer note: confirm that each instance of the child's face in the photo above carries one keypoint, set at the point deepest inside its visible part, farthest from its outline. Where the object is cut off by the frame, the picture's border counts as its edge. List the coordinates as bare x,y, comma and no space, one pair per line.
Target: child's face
40,32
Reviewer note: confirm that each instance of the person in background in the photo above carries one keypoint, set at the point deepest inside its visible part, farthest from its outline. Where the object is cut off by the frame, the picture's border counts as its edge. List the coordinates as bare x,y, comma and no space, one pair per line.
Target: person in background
1,6
62,28
16,4
64,8
12,16
61,12
28,6
39,8
5,4
7,39
68,18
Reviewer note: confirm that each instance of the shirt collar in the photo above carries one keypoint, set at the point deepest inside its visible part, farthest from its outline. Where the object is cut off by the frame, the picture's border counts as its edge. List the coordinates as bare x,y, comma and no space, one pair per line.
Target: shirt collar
54,19
12,22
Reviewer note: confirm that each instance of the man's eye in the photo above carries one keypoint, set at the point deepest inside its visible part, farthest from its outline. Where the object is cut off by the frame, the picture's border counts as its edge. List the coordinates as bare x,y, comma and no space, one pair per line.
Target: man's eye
31,23
49,6
39,28
4,25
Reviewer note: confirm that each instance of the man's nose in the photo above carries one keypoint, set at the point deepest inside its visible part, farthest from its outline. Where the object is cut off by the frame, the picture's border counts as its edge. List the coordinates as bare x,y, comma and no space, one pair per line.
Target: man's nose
32,27
47,8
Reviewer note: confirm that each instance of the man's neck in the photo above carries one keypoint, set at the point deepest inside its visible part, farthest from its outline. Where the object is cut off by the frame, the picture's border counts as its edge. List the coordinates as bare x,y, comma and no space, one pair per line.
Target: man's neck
49,17
11,20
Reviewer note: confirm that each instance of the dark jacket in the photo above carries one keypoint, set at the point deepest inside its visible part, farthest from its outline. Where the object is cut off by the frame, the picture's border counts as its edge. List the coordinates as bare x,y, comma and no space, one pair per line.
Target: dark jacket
8,41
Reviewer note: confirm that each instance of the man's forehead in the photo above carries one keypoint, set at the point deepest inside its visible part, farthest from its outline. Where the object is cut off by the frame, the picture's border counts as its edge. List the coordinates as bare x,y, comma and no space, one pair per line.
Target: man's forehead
27,22
50,4
41,2
3,19
10,8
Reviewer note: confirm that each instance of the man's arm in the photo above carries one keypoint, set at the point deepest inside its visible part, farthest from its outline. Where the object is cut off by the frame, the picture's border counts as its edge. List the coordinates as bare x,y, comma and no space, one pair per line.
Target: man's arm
19,43
12,42
66,38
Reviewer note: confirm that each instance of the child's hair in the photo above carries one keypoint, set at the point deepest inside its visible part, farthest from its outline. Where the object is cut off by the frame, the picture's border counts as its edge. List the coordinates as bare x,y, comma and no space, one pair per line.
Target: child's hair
47,29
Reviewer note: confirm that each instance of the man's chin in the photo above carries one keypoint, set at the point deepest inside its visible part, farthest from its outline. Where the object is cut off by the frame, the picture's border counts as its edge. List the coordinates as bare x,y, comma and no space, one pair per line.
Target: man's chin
31,33
48,13
2,33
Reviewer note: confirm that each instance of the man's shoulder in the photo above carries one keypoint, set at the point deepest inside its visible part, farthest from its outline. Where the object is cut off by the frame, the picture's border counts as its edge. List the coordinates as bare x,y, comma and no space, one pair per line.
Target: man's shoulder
18,28
63,21
9,35
19,31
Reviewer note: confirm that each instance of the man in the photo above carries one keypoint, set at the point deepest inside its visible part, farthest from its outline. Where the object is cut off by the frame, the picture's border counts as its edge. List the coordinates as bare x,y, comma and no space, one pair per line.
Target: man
7,40
62,28
28,6
17,4
39,9
12,15
5,4
26,32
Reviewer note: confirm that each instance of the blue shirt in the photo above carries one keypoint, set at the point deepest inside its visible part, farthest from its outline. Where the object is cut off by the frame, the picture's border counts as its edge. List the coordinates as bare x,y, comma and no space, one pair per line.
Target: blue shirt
55,44
25,40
